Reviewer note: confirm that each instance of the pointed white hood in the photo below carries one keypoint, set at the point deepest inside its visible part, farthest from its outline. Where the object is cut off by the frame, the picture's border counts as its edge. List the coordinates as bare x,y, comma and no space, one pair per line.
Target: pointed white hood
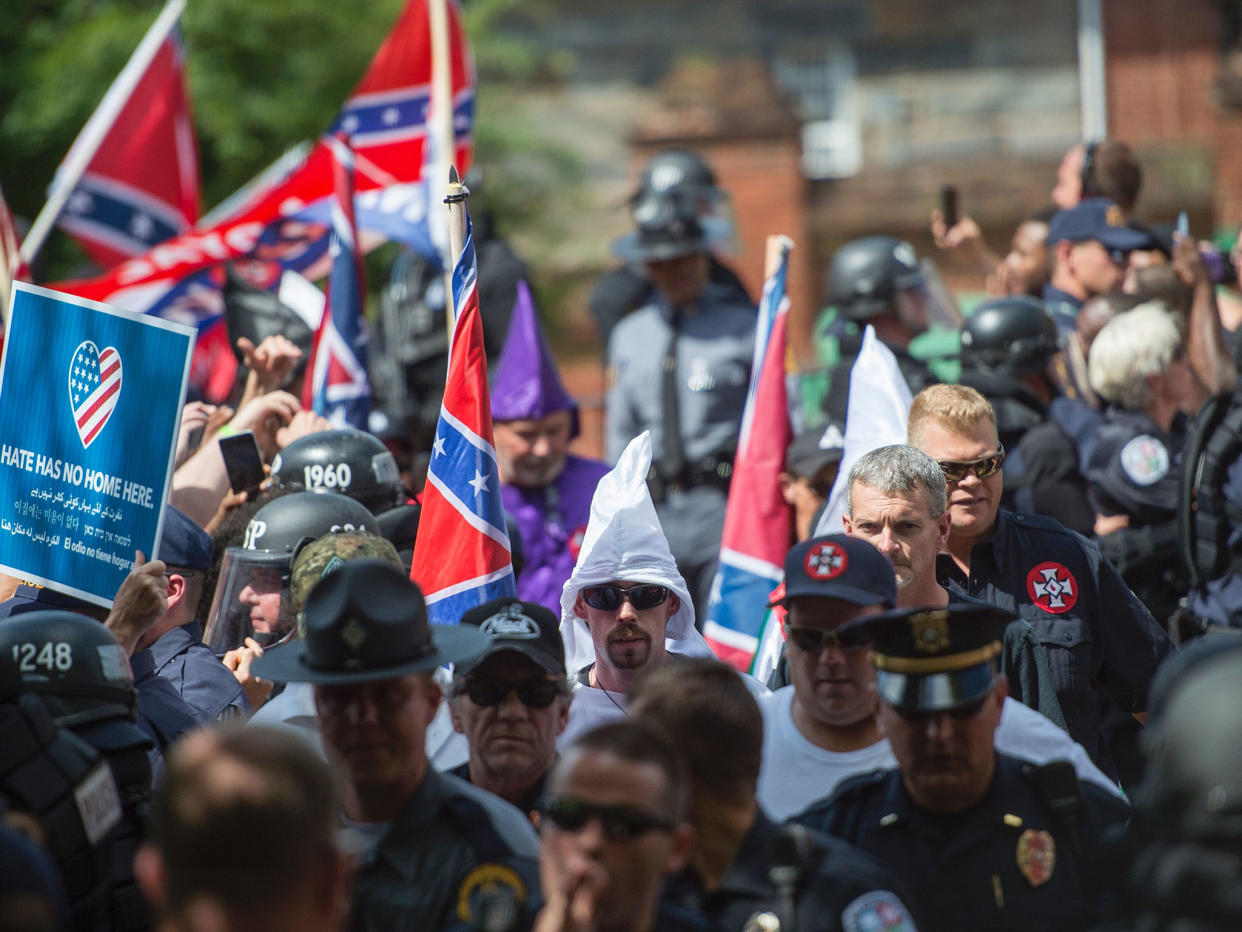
624,540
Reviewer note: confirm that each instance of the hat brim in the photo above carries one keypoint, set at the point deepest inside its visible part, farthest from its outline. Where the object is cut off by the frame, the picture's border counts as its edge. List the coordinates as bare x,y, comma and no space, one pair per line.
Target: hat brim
828,590
542,659
289,663
1126,239
935,692
628,248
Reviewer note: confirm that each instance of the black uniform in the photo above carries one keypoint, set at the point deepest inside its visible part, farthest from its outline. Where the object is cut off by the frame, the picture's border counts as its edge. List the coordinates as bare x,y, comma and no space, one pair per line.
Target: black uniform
1010,862
839,887
1099,638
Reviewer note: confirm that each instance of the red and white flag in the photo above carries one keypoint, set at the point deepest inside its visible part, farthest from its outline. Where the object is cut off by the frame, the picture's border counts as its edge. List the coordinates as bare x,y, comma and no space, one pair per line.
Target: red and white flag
141,186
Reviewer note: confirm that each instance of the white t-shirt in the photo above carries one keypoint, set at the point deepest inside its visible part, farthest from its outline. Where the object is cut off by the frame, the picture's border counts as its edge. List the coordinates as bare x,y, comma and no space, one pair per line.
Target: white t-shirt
797,773
591,707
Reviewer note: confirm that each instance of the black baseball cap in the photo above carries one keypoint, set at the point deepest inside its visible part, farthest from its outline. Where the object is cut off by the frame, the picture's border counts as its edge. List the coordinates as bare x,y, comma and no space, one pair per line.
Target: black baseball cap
527,628
932,659
813,449
838,566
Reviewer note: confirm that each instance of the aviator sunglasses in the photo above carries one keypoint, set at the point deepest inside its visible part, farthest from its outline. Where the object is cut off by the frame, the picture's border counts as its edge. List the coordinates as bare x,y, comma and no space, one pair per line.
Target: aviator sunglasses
983,467
535,693
620,823
609,598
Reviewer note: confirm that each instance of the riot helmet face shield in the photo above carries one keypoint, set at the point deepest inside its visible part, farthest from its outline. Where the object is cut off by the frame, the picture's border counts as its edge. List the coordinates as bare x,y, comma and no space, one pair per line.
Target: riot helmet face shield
252,601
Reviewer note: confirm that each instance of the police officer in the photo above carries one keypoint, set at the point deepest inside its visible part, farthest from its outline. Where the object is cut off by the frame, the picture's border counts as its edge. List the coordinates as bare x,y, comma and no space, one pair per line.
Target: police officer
680,367
353,463
1007,346
984,840
877,281
80,672
1138,365
627,288
744,867
175,642
61,783
252,592
1101,641
432,849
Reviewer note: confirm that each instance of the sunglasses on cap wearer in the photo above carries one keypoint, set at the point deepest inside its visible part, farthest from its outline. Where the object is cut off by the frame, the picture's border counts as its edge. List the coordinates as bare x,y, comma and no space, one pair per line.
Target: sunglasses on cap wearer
609,598
983,467
813,640
620,823
536,692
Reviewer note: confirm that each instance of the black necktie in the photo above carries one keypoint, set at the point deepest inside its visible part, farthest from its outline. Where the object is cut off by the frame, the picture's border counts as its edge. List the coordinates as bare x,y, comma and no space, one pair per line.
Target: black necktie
671,461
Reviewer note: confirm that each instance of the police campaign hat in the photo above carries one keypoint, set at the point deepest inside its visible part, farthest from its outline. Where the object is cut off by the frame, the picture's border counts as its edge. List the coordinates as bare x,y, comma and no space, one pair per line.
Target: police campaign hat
932,659
667,227
837,566
364,622
1100,220
527,628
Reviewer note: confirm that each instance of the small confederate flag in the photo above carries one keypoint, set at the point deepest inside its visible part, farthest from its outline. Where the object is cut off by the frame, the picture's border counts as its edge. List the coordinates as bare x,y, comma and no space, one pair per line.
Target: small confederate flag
461,555
337,386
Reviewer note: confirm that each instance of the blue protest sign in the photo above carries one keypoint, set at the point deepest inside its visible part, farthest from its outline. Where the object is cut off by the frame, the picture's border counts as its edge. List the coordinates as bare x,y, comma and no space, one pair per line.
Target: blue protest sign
90,400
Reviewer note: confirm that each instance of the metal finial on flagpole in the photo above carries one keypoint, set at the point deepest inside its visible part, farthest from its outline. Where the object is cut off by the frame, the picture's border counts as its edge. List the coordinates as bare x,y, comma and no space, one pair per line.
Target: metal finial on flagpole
455,201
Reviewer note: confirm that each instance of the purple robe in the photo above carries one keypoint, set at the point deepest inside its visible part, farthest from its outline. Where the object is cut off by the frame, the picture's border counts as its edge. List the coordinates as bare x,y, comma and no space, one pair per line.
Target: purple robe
552,521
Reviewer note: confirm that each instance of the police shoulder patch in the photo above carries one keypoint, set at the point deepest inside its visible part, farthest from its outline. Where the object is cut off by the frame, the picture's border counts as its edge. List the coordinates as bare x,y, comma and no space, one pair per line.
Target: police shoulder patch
485,882
877,911
1144,460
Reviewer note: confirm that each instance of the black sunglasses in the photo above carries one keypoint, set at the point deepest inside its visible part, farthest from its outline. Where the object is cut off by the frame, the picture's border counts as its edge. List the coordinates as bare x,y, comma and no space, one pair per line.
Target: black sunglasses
812,639
620,823
535,693
983,467
609,598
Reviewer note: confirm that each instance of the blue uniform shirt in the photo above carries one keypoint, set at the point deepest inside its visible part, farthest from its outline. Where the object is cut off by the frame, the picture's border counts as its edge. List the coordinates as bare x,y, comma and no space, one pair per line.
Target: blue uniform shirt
1099,638
197,675
1135,467
1006,863
162,714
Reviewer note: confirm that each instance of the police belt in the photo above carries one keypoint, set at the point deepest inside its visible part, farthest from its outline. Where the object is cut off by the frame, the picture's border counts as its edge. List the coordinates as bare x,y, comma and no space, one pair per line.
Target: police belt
713,471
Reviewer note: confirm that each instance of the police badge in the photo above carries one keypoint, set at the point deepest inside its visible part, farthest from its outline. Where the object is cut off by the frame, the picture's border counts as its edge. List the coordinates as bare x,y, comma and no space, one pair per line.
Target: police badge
1037,856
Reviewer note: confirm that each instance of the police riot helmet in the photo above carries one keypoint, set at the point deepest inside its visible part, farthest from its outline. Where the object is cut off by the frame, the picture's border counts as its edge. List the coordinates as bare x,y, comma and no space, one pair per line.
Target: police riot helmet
73,662
252,593
676,168
351,462
1011,335
866,275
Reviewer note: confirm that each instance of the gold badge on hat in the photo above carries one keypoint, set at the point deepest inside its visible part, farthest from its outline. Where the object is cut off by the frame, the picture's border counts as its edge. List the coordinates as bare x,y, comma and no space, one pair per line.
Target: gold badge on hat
1037,856
930,631
353,634
1114,217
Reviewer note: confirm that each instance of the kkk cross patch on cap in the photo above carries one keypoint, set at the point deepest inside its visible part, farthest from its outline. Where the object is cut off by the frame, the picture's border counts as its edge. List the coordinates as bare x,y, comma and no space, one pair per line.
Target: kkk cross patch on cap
826,561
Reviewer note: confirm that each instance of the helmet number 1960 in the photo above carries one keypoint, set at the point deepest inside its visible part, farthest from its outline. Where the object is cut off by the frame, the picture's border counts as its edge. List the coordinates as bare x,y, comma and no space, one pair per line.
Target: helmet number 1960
337,476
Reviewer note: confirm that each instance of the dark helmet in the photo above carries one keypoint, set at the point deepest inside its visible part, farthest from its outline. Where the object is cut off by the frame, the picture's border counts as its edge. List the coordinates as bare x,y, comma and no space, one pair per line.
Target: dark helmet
252,592
1192,789
676,168
351,462
74,662
866,274
1013,335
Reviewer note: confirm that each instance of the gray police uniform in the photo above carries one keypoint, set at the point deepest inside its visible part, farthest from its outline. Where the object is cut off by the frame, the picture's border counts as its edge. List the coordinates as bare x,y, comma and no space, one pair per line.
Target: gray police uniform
715,343
197,675
450,851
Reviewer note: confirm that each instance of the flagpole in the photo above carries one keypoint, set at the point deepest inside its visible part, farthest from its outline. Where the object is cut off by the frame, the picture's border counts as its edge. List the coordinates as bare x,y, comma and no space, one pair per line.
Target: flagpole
441,137
97,128
455,201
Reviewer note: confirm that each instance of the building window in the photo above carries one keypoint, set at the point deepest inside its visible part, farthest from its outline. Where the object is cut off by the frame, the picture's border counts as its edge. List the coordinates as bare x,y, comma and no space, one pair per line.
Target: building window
822,84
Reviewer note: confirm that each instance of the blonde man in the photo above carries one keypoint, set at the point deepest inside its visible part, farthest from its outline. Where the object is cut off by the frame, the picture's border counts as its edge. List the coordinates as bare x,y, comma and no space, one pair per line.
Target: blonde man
1101,641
